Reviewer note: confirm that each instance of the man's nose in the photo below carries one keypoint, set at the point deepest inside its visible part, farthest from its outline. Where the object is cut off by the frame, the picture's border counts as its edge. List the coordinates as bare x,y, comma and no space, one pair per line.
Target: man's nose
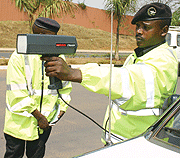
139,30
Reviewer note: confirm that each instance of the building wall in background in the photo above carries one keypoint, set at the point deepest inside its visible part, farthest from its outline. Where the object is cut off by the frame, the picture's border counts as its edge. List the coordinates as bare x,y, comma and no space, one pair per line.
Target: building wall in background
8,11
89,18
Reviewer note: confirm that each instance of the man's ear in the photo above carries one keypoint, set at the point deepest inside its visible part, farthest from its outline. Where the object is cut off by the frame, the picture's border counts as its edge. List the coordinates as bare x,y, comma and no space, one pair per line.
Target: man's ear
164,31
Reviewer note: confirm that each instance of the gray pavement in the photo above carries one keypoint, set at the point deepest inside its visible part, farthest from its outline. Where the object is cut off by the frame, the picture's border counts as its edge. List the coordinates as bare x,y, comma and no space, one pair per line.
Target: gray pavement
74,134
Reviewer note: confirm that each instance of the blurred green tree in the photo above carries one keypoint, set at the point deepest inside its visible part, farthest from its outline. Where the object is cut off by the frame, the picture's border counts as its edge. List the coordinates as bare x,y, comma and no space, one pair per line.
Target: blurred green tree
45,8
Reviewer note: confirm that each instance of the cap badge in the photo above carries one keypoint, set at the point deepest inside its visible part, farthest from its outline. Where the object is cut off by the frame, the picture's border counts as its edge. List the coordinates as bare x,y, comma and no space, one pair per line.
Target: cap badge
151,11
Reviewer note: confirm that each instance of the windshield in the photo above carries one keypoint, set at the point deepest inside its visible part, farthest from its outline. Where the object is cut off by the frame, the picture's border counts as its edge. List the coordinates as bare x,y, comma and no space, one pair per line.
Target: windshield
171,131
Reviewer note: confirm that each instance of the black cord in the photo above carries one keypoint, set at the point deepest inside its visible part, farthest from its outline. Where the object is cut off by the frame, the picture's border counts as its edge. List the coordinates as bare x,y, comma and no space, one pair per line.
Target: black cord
106,125
85,115
59,95
42,83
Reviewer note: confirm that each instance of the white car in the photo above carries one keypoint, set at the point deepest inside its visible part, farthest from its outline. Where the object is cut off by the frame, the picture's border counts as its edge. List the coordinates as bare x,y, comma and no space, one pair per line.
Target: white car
173,39
161,140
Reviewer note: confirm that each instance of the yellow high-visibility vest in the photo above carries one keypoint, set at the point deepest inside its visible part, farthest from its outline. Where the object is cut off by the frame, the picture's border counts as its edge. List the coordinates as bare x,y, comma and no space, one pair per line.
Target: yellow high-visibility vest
23,95
138,89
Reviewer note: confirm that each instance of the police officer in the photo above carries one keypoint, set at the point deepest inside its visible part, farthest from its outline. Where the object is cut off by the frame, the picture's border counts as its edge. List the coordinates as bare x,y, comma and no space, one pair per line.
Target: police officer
140,87
29,110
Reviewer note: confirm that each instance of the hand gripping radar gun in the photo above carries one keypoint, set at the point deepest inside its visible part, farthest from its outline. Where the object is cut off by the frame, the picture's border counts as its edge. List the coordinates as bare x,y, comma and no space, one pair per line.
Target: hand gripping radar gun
46,45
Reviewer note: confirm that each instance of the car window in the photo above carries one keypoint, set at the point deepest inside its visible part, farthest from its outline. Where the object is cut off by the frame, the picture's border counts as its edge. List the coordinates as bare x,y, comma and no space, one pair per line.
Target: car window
171,131
168,38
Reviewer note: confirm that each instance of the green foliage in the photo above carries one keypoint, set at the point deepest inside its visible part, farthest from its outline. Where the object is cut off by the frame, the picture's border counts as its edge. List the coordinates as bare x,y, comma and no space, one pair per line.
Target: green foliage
176,18
53,8
120,7
45,8
82,5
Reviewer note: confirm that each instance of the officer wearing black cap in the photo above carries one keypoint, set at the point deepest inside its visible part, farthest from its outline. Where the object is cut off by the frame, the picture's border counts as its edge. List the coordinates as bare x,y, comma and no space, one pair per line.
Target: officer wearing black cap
140,87
152,23
31,105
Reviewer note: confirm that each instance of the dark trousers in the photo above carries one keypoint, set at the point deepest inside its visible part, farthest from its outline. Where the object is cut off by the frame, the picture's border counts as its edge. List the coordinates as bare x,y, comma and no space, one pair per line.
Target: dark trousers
34,149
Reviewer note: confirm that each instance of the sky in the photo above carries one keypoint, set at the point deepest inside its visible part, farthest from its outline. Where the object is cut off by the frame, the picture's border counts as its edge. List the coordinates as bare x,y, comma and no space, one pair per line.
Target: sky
100,4
92,3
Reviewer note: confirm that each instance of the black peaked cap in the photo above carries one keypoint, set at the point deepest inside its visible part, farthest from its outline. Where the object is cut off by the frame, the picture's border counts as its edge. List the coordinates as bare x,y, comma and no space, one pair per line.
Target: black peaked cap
152,11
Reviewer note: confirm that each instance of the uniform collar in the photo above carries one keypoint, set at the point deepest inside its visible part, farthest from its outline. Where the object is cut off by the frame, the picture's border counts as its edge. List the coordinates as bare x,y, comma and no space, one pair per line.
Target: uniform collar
141,51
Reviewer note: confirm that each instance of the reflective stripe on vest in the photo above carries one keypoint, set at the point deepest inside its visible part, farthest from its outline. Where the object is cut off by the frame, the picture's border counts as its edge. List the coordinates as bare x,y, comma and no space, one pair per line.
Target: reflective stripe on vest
28,75
149,84
142,112
36,92
29,78
20,105
25,113
16,87
51,92
125,87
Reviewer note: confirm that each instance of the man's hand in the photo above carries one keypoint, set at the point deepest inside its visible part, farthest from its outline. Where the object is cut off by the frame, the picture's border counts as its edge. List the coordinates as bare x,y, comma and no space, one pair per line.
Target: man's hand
42,121
57,67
